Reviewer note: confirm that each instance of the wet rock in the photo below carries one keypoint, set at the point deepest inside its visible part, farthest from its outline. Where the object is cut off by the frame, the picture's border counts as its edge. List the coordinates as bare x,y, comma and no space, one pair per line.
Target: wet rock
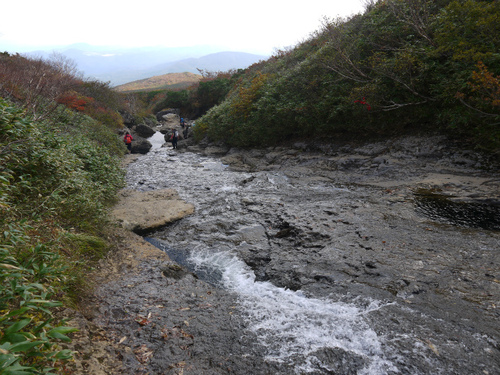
174,271
336,229
216,150
252,235
338,361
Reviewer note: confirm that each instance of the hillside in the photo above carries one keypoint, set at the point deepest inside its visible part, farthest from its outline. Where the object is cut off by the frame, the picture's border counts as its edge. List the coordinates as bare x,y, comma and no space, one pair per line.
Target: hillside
165,81
59,173
401,67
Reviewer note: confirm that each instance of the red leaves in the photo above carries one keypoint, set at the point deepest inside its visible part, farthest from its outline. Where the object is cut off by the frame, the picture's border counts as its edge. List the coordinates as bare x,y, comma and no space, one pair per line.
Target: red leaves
363,102
74,101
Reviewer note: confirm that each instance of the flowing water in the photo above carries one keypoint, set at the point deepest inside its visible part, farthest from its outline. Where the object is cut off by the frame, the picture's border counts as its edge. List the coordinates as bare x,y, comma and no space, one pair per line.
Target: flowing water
157,140
272,239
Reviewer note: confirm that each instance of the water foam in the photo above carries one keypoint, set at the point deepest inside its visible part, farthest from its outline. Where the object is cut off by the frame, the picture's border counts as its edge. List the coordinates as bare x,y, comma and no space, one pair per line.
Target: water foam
292,325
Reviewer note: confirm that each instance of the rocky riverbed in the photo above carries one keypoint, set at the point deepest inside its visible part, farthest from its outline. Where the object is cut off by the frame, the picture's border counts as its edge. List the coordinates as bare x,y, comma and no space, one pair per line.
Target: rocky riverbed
377,258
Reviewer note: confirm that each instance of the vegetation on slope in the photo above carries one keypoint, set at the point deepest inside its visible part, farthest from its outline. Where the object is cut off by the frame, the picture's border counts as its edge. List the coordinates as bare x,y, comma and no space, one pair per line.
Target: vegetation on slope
170,81
400,67
59,170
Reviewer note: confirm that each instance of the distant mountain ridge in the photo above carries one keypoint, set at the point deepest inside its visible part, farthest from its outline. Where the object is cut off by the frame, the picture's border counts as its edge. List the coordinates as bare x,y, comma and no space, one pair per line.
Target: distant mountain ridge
119,65
214,62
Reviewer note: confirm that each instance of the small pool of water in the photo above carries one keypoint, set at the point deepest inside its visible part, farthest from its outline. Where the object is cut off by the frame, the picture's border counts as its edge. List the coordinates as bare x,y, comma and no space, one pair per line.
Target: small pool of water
441,208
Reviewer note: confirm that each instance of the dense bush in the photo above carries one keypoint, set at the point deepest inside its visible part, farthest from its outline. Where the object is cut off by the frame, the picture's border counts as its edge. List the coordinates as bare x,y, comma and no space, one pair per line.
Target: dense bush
402,66
57,178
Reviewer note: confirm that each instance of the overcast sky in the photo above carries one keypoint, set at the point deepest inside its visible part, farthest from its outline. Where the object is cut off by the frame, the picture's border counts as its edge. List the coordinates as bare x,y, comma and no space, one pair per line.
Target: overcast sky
257,26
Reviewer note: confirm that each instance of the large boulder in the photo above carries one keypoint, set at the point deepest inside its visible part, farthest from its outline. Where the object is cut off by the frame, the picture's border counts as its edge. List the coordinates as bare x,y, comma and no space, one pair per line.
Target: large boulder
144,211
140,146
144,131
185,143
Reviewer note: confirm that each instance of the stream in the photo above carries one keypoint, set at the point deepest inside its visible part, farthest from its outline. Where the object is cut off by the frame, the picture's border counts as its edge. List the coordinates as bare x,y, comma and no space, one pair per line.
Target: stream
328,274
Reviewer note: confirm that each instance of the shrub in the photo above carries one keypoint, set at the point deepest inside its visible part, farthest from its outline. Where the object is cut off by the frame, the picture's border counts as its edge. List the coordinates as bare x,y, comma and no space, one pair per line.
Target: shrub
29,334
56,181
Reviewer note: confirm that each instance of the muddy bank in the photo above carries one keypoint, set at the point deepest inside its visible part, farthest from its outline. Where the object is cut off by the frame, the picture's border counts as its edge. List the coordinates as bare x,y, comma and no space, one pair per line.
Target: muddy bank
355,227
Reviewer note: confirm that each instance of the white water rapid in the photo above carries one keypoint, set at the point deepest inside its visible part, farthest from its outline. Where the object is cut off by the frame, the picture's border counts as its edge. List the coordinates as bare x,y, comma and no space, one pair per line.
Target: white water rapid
292,325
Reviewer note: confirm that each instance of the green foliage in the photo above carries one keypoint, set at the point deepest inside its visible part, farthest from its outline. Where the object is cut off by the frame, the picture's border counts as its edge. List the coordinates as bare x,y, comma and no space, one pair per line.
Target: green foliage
86,245
199,98
402,66
57,174
469,30
29,334
173,99
57,179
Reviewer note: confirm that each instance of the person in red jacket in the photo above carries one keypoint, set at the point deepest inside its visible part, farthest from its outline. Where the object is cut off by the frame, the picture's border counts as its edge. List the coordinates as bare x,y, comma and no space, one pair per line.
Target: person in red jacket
128,140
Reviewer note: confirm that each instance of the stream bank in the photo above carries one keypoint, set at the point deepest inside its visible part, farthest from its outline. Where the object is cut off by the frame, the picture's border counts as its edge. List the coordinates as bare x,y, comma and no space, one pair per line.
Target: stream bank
344,232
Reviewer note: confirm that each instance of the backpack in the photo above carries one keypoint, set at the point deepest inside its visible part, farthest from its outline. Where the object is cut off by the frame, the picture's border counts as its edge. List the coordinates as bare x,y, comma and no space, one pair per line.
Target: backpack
128,139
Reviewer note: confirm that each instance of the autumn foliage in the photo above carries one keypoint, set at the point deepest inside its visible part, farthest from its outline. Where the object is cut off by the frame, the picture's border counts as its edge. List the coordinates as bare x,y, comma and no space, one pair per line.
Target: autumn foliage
394,69
74,101
41,86
486,85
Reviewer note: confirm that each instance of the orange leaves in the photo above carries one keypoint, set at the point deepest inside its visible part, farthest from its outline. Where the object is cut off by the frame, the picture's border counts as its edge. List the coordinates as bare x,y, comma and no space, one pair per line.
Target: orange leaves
486,85
74,101
248,95
485,91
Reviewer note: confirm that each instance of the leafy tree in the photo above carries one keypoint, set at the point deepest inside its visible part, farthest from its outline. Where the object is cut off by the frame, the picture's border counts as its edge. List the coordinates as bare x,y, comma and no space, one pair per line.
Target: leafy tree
469,30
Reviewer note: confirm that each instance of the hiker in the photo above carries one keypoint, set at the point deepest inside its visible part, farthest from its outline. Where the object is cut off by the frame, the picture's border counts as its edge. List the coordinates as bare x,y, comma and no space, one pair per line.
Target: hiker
128,141
183,123
174,137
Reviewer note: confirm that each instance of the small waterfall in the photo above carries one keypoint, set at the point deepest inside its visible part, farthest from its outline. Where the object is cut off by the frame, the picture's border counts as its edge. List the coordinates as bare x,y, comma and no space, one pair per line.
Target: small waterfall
157,140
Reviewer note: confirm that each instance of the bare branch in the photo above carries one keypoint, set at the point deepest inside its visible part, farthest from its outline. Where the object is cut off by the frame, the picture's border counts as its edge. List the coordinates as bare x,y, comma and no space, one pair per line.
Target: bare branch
484,114
394,105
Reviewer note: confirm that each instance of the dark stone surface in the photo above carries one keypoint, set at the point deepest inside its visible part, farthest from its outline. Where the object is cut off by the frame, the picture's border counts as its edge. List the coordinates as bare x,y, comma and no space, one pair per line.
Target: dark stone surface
341,225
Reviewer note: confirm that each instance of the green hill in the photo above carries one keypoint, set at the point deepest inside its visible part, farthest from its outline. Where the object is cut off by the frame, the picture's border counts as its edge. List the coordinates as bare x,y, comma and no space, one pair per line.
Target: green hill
401,66
162,82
